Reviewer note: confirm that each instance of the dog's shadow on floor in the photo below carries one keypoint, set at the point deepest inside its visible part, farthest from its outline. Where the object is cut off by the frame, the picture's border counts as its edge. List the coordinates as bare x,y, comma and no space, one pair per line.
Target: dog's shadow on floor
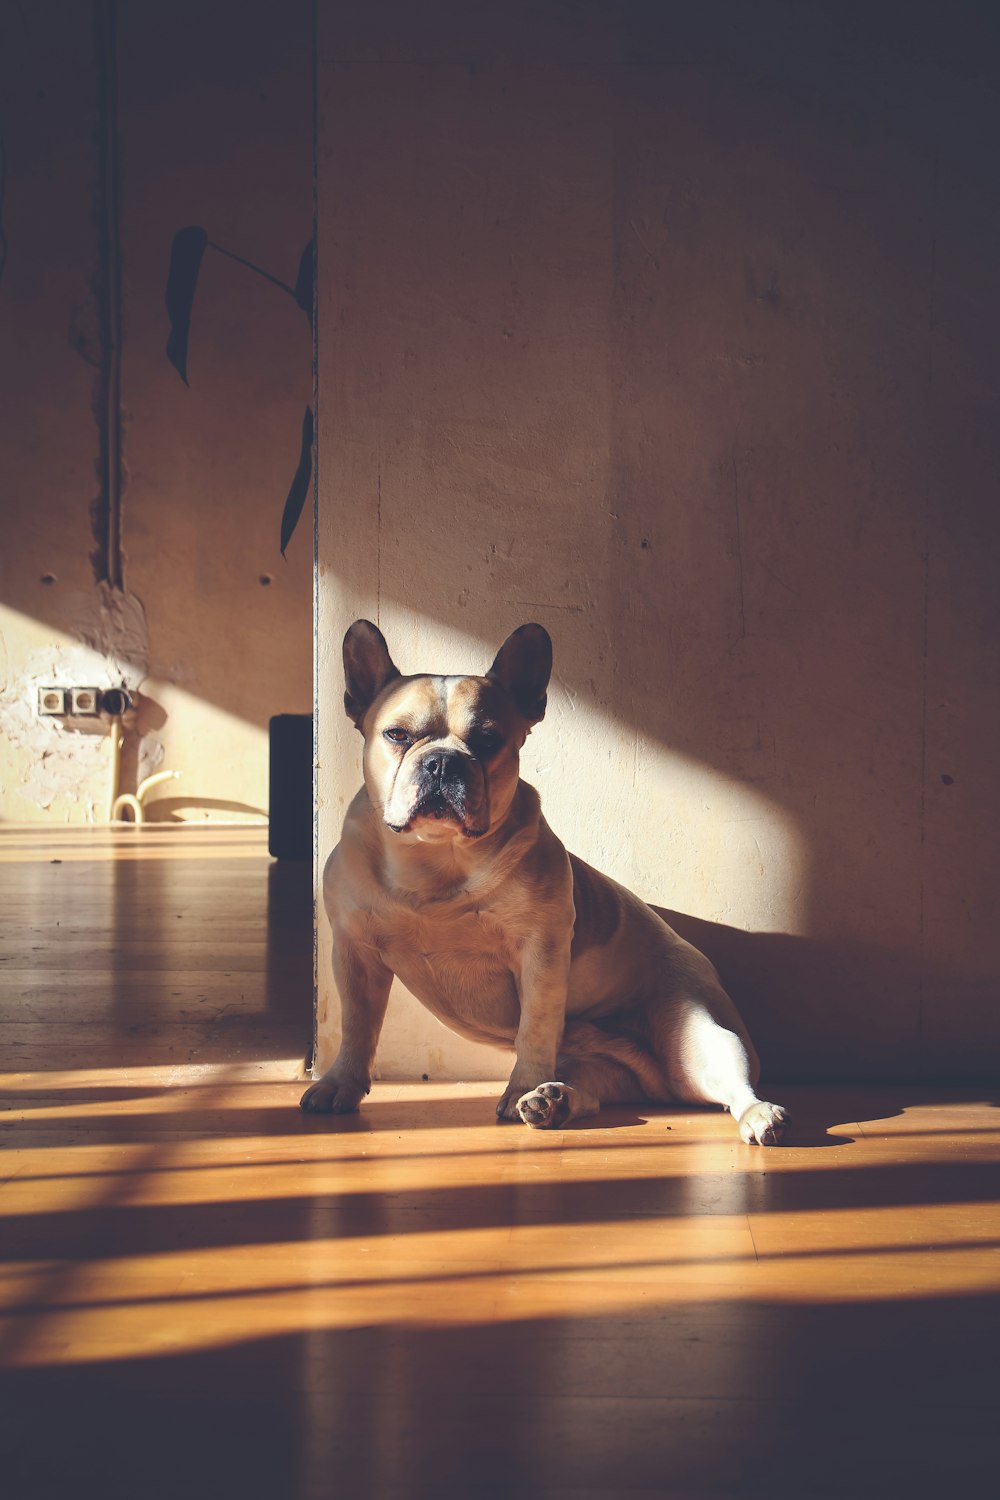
613,1117
813,1131
813,1138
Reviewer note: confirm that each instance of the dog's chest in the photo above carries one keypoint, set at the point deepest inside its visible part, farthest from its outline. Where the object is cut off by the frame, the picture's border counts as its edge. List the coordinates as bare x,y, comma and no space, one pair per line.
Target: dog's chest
444,955
452,932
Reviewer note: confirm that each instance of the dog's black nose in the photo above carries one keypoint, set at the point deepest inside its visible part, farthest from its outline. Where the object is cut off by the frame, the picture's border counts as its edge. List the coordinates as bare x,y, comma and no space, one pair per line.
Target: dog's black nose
443,766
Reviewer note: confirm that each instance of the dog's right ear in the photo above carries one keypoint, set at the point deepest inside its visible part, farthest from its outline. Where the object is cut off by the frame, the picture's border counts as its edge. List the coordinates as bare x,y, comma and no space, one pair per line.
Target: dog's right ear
368,667
523,665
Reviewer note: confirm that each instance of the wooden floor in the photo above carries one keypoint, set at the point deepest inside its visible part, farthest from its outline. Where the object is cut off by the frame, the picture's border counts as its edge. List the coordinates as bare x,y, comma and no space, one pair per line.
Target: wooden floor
206,1293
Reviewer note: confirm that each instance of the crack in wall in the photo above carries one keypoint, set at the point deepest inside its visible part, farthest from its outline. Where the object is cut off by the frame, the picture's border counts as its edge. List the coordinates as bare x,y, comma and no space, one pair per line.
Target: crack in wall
925,565
739,541
4,245
107,556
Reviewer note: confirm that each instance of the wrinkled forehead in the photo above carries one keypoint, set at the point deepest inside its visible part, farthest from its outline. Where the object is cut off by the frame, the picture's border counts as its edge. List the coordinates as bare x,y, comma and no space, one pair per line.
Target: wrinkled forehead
441,706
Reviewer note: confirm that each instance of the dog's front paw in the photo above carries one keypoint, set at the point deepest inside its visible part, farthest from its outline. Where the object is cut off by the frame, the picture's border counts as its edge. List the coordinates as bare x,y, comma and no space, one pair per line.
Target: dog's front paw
763,1124
328,1097
546,1107
507,1107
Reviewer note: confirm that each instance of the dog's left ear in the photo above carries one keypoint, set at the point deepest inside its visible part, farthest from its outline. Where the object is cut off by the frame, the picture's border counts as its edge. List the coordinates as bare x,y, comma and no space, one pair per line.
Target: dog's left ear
523,666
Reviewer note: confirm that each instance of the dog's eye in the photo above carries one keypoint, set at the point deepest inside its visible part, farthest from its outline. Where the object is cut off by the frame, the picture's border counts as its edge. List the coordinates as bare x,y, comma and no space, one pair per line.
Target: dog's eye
486,742
397,736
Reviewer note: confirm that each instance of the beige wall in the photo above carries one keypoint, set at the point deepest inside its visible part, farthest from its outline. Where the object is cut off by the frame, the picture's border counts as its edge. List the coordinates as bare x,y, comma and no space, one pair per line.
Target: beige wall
674,328
214,128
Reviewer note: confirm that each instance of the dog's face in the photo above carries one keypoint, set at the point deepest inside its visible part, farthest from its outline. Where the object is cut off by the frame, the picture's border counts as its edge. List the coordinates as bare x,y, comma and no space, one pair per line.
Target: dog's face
441,753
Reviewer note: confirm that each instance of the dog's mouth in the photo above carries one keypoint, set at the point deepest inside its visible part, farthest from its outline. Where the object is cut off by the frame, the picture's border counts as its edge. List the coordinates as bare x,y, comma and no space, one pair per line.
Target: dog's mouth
439,805
439,808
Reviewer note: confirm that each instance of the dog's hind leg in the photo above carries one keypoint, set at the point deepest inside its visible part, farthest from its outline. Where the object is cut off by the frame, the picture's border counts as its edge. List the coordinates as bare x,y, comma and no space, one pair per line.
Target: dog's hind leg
713,1064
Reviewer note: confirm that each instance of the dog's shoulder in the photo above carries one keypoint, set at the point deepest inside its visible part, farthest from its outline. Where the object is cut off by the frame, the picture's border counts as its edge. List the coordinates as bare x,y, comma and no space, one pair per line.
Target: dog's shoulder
351,876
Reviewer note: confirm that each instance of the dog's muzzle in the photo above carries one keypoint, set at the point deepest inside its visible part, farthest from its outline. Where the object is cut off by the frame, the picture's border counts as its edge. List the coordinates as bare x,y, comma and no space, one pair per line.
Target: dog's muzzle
439,789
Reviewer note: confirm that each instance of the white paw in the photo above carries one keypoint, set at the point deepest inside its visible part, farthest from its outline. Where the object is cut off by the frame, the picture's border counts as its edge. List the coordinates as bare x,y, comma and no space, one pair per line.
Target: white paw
547,1107
762,1124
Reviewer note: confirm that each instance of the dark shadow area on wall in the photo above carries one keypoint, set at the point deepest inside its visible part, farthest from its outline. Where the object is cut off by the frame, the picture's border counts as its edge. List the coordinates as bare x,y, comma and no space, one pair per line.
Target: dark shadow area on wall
806,1003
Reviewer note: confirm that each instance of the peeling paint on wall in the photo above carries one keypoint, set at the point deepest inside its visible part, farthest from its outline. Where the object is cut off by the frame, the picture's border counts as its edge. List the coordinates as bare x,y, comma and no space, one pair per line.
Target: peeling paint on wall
67,758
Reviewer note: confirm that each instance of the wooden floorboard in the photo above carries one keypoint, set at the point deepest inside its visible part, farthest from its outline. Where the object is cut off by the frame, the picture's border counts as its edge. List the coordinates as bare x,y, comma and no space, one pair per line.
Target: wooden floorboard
204,1292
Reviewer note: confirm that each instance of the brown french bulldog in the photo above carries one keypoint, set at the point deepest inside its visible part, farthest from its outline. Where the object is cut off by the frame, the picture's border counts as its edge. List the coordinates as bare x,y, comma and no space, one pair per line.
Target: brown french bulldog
448,876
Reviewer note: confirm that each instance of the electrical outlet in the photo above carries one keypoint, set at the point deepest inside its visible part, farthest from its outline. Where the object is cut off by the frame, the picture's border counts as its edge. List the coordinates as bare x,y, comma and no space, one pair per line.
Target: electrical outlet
51,702
85,702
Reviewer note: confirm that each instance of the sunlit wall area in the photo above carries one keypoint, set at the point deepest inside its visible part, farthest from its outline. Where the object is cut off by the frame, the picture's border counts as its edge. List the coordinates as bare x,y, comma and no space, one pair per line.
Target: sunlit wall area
668,329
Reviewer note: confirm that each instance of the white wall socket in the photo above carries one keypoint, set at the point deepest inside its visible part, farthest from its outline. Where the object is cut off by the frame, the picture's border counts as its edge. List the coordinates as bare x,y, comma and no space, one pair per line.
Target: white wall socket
69,703
85,702
51,700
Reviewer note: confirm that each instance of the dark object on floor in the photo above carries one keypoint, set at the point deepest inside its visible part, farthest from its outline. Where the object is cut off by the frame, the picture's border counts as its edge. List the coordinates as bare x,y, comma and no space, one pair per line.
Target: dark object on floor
290,800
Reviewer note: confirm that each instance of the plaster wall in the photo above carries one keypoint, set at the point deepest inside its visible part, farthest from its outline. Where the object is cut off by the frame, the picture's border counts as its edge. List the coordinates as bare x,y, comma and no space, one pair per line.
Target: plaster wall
672,328
208,113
